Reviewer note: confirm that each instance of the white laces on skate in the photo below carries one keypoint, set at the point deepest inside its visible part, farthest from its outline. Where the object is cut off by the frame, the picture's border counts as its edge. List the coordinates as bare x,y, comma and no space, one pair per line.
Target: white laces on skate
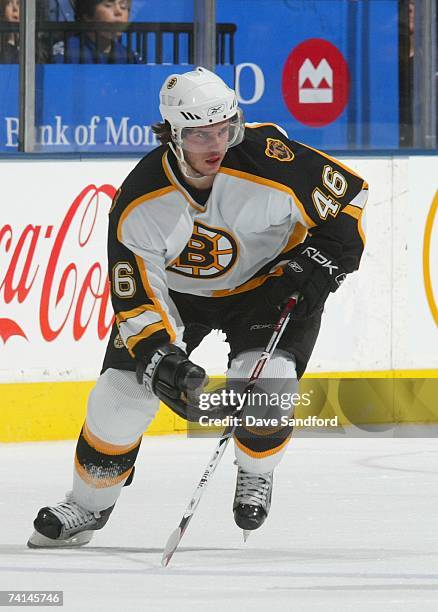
72,515
253,489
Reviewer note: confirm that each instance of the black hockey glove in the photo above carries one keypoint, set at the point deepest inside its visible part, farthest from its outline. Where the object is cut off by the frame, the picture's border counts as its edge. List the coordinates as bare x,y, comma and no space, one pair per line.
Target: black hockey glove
314,274
172,377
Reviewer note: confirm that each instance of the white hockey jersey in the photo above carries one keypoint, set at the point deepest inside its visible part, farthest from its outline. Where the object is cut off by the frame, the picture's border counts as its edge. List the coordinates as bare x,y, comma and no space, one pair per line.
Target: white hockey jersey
269,193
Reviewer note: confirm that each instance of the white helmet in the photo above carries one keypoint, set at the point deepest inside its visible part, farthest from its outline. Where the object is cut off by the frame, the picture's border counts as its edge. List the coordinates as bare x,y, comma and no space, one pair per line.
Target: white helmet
195,99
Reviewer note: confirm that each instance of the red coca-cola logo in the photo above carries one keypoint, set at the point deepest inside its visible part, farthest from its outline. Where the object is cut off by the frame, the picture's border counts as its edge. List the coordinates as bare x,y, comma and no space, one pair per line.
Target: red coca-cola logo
67,294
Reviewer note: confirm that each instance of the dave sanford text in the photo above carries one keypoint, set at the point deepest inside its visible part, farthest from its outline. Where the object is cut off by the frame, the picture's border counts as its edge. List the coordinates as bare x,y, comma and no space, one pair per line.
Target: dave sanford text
53,276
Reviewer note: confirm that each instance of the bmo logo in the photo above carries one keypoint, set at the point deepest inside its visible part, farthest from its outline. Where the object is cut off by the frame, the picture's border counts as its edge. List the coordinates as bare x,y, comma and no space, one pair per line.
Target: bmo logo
316,82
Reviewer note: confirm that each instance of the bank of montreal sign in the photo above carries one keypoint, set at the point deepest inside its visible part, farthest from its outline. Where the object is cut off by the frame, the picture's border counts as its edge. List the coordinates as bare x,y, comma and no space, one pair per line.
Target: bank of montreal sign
430,254
315,82
125,131
315,87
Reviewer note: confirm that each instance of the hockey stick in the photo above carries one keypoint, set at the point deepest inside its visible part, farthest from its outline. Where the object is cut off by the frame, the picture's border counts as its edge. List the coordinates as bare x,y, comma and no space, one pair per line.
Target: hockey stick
177,534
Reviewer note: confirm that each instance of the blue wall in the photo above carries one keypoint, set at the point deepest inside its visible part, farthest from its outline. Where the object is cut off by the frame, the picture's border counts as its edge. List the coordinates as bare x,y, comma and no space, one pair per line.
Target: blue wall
124,99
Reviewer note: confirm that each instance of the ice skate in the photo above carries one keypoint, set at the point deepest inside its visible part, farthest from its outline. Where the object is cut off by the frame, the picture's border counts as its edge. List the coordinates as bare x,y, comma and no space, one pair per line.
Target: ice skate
66,525
252,499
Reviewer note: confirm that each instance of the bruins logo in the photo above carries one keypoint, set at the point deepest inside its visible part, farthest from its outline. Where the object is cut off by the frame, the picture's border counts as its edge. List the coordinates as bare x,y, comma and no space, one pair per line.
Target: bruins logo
210,252
278,150
118,342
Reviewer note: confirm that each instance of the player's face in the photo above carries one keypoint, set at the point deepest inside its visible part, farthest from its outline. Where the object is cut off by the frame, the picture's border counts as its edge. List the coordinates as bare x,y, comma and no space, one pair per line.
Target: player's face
12,11
205,147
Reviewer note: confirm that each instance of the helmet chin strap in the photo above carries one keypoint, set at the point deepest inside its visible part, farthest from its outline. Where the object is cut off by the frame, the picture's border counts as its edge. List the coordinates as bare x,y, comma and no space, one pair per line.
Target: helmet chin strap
185,167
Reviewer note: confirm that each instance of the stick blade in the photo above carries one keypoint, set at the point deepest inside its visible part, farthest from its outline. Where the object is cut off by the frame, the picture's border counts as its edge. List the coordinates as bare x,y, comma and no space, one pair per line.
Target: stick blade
171,546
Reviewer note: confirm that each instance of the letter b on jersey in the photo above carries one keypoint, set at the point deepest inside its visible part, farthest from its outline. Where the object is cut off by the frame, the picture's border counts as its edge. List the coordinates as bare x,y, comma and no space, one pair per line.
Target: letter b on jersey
209,253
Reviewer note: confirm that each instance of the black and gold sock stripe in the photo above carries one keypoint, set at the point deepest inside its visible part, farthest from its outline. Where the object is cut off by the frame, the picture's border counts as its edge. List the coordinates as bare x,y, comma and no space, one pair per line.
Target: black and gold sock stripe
101,464
261,442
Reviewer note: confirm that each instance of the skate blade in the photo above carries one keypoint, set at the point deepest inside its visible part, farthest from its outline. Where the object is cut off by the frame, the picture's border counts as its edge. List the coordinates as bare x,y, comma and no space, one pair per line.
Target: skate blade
37,540
245,535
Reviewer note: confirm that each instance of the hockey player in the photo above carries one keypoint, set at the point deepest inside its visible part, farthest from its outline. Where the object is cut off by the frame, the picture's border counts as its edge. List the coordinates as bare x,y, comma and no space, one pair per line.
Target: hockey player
214,229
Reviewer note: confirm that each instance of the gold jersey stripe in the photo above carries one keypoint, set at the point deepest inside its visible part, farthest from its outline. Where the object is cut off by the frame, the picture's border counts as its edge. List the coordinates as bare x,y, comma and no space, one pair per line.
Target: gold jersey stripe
353,211
274,185
145,333
251,284
159,193
122,317
356,213
159,308
296,237
337,162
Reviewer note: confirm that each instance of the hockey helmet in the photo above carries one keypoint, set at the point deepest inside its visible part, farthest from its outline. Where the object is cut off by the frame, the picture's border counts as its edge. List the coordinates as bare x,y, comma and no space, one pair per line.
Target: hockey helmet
196,99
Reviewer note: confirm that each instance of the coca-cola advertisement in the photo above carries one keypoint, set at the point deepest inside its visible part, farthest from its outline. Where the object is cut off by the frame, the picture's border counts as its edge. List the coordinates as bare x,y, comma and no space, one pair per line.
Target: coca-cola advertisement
55,304
55,308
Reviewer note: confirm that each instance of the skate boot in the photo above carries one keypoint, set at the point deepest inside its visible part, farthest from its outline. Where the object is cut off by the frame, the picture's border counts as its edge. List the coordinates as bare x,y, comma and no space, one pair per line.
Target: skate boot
66,525
252,499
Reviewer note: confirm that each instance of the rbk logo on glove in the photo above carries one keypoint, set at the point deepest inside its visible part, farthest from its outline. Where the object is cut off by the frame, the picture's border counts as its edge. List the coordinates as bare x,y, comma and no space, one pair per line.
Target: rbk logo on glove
295,266
314,274
321,259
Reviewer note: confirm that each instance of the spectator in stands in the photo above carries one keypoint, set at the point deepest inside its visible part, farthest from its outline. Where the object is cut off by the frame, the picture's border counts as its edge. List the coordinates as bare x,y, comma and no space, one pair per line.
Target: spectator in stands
60,10
10,13
97,47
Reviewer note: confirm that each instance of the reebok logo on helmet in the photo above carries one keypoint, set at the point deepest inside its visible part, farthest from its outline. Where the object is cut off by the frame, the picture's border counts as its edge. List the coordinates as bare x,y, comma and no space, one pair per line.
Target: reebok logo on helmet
214,110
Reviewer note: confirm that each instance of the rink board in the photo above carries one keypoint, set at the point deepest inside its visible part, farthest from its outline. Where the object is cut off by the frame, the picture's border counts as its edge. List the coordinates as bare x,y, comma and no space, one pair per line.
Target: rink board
56,312
56,411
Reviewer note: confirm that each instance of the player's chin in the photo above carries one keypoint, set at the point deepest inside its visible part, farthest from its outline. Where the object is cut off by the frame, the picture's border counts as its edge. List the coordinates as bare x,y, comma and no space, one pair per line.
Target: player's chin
211,166
208,171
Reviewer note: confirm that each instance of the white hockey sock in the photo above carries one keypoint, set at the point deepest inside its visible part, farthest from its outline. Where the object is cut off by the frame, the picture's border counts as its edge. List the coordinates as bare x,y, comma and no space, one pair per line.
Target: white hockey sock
278,375
119,411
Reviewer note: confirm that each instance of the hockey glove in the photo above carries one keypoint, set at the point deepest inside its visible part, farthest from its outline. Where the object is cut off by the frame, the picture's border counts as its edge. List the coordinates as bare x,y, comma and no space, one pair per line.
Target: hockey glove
172,377
314,274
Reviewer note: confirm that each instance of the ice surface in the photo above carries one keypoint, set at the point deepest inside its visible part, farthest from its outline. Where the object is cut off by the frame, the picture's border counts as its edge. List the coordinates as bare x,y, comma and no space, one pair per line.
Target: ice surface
353,526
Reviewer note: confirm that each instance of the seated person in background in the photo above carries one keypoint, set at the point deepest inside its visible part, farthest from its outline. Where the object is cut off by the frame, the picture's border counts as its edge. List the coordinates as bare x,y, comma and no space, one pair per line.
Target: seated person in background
97,47
9,49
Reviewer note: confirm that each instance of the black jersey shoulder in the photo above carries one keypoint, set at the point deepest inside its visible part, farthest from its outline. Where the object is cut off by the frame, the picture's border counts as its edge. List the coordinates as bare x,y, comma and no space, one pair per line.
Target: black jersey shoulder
268,154
252,155
146,177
